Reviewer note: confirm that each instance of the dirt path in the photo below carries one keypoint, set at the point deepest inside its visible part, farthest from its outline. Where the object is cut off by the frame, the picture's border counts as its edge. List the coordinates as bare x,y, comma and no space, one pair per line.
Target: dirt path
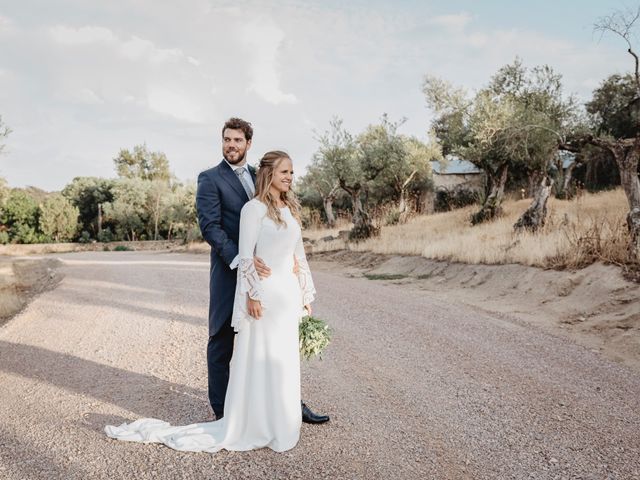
417,387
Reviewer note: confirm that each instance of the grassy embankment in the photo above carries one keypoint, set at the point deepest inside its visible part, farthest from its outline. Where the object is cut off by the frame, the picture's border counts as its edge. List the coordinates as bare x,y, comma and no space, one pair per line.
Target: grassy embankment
578,232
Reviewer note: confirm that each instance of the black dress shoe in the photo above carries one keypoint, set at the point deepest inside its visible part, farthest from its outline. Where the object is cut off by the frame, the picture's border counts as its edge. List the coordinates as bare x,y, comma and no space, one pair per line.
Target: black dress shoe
309,417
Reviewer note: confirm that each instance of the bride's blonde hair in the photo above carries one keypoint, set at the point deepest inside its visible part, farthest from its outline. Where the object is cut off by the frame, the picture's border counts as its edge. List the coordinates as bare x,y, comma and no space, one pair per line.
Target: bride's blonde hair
268,163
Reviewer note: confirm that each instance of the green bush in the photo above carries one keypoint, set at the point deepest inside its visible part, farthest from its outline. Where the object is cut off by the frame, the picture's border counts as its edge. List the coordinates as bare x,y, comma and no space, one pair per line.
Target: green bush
392,218
122,248
447,200
85,237
23,233
105,236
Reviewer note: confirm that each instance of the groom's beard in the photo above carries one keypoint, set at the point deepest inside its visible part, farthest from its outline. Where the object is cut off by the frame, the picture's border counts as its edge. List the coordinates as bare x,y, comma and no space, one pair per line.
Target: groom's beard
242,155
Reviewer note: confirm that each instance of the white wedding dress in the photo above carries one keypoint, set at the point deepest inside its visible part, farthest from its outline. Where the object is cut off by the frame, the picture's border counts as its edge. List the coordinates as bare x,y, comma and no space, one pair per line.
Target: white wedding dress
262,404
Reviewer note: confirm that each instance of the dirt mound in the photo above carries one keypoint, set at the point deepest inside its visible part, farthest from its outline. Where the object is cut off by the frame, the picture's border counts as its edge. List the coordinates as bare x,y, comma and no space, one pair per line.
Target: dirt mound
23,278
596,306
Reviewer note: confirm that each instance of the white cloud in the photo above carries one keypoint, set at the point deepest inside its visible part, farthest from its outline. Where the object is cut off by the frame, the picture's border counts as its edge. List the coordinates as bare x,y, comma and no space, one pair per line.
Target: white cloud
264,40
82,36
5,21
88,97
454,22
170,72
175,103
478,40
135,48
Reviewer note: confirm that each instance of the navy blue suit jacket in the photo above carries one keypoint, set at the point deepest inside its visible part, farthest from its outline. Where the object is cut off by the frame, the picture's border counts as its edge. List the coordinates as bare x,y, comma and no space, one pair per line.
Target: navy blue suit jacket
219,199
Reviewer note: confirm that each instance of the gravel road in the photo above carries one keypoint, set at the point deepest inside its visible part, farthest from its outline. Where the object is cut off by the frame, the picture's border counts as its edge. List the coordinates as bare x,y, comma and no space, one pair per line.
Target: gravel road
416,387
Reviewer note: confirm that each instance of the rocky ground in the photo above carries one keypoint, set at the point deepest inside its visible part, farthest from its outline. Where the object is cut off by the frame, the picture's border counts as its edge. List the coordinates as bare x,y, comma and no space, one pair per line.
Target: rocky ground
419,383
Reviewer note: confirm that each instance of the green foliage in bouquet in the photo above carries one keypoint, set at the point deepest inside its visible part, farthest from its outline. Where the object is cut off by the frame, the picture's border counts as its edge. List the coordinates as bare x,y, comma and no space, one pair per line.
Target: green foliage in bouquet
314,336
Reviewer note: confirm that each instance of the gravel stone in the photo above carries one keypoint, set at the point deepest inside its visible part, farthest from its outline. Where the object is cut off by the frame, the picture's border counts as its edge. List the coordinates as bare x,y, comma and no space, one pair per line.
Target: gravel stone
416,386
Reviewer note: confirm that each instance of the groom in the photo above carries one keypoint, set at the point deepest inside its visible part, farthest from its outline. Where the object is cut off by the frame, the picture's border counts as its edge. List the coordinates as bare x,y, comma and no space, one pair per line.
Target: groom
222,192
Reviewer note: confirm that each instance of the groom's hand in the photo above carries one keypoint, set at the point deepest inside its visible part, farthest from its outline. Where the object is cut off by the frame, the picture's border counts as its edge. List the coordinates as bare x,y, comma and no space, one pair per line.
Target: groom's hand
261,267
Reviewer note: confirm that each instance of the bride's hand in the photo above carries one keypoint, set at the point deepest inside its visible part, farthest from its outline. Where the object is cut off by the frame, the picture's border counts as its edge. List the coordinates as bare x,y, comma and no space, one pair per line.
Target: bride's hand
308,309
254,307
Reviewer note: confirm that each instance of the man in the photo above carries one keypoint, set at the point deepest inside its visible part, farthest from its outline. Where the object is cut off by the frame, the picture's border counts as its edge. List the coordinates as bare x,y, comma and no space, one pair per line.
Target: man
222,192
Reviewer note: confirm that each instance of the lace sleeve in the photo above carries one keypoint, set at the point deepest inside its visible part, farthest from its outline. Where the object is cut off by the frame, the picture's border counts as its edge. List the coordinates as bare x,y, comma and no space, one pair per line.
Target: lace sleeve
248,281
304,275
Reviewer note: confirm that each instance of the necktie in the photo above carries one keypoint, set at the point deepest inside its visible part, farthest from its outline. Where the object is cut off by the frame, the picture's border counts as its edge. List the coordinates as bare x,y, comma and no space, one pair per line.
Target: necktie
246,184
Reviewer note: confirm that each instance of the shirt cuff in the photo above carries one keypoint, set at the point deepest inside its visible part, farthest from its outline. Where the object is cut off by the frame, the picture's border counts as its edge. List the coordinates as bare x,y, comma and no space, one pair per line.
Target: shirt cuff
234,263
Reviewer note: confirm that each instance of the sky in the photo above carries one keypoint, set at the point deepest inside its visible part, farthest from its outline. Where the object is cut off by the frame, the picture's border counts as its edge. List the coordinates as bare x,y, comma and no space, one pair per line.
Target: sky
80,80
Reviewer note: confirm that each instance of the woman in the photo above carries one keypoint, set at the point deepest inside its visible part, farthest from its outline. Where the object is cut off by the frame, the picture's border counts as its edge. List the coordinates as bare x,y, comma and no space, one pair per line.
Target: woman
262,403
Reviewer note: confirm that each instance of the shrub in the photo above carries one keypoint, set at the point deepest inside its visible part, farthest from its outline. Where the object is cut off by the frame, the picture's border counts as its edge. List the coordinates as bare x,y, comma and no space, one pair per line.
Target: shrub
105,236
447,200
363,231
85,237
392,218
23,233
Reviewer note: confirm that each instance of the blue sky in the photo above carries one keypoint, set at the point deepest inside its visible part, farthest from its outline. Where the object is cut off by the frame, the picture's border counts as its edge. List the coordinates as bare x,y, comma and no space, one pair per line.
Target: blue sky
80,80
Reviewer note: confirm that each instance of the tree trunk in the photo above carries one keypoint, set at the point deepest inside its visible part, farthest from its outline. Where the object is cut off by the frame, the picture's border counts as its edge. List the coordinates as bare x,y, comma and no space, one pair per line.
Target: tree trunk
327,203
402,204
626,153
533,182
492,206
535,216
157,217
362,226
99,218
356,204
567,190
403,210
628,166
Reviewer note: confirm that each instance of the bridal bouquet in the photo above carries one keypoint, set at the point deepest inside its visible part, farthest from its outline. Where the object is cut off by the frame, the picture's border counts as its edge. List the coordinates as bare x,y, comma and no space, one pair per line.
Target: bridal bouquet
314,336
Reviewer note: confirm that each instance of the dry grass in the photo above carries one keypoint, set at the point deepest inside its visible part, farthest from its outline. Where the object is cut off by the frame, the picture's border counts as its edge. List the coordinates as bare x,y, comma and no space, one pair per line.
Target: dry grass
577,233
318,232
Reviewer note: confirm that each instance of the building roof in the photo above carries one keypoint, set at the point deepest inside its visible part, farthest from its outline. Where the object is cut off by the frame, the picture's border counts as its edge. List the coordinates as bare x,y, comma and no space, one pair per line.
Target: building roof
567,159
454,166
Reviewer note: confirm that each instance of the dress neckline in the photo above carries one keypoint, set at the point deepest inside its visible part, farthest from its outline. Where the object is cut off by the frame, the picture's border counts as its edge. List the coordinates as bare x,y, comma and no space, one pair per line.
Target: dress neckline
279,208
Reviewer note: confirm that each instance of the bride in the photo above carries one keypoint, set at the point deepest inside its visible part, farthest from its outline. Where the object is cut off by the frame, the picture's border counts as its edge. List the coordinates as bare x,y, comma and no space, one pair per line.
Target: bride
262,403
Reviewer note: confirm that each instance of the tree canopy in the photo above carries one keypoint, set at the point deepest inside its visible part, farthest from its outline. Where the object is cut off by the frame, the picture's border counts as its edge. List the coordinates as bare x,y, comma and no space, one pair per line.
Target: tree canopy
142,164
514,123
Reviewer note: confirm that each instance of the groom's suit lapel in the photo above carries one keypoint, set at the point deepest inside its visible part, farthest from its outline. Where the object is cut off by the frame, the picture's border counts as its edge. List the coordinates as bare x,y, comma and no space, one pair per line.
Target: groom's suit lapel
227,173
